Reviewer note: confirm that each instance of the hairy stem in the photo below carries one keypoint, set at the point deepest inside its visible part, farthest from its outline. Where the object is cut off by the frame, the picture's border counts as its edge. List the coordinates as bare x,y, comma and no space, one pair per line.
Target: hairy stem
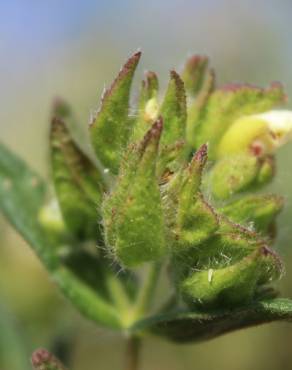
132,353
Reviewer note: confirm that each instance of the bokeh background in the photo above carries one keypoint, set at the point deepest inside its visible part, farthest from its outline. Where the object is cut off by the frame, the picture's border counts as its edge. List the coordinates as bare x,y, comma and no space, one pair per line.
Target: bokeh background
72,49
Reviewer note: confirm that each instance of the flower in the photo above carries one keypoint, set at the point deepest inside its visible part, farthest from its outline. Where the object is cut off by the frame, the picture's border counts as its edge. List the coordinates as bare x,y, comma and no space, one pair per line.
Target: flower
260,134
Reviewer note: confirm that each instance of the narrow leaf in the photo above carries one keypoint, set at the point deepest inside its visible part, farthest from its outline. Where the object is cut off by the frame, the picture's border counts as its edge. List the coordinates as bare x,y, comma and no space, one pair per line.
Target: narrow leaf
22,193
21,197
78,183
197,326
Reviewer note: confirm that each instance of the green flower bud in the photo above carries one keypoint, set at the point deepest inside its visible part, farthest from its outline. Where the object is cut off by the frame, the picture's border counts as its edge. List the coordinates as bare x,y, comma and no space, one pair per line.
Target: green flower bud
232,285
50,217
133,219
148,108
232,175
78,184
111,127
255,211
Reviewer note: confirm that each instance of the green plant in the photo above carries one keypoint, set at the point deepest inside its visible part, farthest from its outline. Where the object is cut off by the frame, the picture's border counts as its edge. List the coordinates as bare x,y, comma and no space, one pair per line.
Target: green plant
149,201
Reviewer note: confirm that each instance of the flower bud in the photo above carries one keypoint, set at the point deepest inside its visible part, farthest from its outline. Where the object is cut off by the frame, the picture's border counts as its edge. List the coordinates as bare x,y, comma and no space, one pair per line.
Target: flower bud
151,110
232,285
234,174
255,211
229,103
133,219
51,219
148,108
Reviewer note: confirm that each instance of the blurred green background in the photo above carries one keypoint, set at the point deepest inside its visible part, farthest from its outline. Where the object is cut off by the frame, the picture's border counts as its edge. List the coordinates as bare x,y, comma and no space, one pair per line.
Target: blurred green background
74,48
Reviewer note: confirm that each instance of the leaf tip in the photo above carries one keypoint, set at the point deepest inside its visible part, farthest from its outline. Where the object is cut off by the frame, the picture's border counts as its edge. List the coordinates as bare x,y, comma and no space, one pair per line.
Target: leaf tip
153,134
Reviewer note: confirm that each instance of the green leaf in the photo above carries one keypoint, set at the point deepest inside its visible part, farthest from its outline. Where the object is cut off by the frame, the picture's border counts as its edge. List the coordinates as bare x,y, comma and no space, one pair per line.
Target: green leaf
22,194
21,197
87,300
42,359
79,185
197,326
111,127
173,110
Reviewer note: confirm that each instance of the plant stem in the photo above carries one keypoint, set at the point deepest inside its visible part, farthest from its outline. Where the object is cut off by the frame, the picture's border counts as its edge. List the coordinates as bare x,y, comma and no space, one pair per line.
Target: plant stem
131,313
118,293
146,294
132,353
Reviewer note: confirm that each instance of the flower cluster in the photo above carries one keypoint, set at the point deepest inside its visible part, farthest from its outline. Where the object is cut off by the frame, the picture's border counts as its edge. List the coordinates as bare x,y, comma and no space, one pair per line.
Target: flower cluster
175,182
171,186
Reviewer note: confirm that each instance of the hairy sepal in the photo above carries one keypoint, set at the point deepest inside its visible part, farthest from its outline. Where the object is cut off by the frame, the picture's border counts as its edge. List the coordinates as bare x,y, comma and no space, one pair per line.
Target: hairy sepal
78,184
111,127
133,218
174,111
